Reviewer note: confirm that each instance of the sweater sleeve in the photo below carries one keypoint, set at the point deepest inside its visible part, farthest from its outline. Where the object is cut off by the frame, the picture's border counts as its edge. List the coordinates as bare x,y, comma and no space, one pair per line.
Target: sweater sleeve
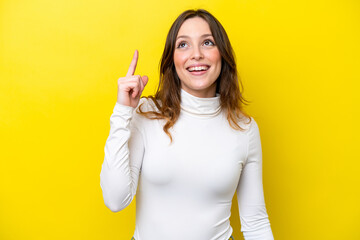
124,149
255,224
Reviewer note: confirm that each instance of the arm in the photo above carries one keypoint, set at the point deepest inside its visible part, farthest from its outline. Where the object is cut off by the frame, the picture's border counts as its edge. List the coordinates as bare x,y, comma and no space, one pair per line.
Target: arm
255,223
124,150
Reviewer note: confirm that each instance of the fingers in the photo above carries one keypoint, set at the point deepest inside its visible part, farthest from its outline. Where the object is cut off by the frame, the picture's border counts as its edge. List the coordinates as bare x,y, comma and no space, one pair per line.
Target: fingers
144,80
133,85
133,64
140,85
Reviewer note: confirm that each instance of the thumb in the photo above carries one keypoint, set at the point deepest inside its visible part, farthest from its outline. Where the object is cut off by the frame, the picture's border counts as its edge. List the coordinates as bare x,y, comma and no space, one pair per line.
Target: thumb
144,79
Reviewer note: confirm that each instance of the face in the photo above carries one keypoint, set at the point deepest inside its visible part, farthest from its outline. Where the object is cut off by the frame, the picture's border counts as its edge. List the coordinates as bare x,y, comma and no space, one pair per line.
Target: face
197,59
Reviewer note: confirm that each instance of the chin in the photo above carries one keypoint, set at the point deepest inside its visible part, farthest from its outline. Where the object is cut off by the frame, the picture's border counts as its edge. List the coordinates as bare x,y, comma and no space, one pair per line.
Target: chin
199,88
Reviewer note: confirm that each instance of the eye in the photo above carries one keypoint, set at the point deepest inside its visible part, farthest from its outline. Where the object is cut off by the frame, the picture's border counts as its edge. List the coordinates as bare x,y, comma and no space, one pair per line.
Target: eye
208,42
181,45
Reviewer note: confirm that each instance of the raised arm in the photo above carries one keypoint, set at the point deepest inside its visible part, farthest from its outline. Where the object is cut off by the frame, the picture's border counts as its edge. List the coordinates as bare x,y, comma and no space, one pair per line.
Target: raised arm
255,224
124,148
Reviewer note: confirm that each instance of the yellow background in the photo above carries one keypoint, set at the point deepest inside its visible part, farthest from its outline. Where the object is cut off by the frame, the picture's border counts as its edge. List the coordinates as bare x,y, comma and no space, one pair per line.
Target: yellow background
59,65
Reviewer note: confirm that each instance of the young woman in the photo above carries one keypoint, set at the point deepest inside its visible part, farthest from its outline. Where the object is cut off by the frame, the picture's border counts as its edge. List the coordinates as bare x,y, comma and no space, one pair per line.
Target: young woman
187,149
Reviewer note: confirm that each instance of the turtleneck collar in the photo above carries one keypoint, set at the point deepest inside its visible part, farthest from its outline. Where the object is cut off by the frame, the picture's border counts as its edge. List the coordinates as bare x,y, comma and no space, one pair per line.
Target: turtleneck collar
200,107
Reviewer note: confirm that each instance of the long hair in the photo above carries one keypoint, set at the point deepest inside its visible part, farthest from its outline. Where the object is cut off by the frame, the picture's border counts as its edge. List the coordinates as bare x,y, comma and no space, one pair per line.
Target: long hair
168,95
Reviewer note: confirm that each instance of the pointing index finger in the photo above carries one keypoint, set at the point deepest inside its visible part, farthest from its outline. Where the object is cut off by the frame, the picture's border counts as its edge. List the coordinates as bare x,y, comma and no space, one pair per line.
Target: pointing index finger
133,63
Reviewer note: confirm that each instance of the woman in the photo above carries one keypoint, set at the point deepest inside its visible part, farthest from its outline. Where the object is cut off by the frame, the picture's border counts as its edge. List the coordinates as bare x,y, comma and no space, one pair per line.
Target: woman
186,150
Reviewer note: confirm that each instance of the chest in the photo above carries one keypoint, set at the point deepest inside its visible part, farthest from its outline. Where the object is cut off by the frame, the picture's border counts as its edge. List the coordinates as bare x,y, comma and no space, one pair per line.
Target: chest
206,155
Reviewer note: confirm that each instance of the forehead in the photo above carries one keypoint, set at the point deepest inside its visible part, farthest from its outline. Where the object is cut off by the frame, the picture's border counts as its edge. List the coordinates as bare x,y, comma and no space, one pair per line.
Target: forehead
196,26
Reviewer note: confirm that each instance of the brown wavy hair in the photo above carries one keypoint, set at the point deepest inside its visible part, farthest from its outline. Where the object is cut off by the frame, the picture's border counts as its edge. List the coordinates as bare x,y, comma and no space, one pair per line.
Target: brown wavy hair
168,95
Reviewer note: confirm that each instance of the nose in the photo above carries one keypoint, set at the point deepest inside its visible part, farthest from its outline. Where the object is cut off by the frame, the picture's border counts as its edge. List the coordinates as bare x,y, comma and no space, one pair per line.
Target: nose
197,53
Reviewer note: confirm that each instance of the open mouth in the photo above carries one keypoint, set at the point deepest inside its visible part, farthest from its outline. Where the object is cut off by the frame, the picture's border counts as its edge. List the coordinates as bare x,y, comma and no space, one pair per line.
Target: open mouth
202,68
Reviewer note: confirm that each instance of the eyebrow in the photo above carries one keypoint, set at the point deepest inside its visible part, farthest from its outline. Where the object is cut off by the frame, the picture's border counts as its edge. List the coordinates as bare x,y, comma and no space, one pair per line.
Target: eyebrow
185,36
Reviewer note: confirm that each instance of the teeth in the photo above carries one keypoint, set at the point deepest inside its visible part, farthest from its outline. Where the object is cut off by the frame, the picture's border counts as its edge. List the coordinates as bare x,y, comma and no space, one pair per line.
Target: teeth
200,68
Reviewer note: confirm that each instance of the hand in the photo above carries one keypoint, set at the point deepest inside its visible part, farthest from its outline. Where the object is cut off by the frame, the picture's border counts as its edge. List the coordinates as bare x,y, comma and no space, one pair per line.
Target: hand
131,86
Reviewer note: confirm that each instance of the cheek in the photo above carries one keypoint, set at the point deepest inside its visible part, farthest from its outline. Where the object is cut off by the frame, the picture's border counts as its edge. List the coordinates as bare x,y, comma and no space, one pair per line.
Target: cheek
216,57
216,60
179,59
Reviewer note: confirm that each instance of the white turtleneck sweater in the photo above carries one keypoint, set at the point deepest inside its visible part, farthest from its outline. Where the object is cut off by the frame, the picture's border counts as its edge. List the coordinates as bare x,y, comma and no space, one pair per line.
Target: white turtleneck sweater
184,189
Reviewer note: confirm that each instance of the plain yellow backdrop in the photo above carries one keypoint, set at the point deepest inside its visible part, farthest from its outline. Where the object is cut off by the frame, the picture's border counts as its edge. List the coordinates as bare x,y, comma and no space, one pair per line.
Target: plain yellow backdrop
59,64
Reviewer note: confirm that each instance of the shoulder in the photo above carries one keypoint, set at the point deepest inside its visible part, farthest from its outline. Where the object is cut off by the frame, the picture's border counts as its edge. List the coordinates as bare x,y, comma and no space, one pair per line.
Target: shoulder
247,123
250,128
147,104
144,118
142,113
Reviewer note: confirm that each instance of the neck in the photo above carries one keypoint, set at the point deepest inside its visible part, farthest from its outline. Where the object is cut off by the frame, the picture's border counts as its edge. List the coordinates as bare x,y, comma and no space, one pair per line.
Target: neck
206,93
200,106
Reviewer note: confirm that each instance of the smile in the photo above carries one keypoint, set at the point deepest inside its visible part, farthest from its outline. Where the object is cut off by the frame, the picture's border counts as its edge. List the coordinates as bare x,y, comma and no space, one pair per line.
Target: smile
201,68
